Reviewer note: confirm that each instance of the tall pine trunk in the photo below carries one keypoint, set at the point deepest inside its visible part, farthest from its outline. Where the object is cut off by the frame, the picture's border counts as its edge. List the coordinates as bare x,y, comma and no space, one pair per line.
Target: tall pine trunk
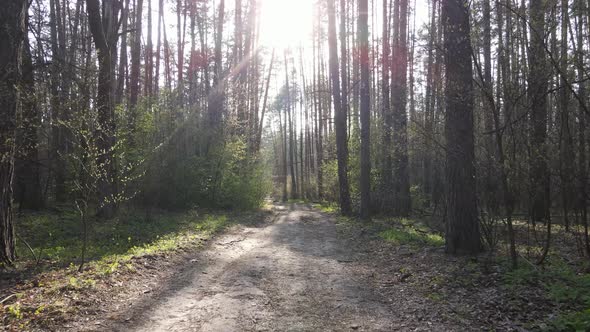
539,171
462,231
365,111
401,182
339,114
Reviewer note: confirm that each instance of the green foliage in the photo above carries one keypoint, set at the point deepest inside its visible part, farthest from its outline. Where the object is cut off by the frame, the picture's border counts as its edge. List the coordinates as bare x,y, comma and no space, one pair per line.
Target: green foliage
401,237
54,237
326,207
560,284
76,283
226,178
576,321
418,197
330,172
411,233
15,311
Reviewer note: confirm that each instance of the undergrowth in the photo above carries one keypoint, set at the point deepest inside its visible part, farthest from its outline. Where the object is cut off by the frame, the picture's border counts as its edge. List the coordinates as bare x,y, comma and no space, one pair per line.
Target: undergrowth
562,285
55,238
53,287
410,232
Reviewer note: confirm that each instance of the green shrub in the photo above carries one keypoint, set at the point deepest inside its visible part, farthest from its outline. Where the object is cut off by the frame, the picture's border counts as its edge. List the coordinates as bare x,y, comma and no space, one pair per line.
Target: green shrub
227,178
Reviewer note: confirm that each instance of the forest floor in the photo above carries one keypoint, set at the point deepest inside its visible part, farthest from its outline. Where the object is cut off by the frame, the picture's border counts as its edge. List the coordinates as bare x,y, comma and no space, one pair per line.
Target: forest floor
300,269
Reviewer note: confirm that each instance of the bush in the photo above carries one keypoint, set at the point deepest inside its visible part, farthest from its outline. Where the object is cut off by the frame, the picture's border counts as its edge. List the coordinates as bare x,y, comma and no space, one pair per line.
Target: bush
227,178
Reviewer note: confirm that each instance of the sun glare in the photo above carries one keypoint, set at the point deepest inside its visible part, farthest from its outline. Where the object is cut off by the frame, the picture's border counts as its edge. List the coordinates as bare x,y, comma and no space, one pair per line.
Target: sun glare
286,23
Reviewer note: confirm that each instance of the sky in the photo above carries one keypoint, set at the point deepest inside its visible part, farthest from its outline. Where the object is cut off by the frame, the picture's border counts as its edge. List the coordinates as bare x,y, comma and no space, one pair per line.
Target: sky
289,22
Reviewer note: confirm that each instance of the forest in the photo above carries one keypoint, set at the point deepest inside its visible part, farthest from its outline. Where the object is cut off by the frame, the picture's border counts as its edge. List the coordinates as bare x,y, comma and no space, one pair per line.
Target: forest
310,165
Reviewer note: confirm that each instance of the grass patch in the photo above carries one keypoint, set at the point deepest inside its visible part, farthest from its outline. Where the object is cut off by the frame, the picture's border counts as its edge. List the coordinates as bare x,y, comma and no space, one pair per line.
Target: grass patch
410,232
53,290
56,238
560,284
326,207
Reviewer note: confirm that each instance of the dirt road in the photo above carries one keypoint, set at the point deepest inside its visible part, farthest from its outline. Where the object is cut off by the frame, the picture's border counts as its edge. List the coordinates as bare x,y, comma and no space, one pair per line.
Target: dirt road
292,275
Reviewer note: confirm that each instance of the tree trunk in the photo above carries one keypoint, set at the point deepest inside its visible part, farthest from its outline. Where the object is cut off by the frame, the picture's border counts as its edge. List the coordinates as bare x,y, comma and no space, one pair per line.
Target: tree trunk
58,148
215,105
135,69
401,190
462,233
582,119
13,15
365,111
105,32
318,113
123,63
290,133
29,188
339,114
566,140
539,172
149,57
429,102
385,167
264,102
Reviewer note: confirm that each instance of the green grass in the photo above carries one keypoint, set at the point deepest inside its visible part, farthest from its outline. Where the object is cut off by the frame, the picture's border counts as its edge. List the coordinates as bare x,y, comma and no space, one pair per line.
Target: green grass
409,232
561,285
326,207
57,238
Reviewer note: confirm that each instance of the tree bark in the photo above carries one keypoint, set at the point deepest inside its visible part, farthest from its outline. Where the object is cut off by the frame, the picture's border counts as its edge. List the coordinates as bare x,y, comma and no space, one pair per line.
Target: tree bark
566,140
29,194
339,114
13,15
290,133
57,110
135,69
462,233
105,32
365,111
539,172
215,105
401,190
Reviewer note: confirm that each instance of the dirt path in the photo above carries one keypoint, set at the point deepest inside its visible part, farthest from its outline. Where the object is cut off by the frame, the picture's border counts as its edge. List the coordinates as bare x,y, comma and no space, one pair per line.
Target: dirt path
292,275
297,273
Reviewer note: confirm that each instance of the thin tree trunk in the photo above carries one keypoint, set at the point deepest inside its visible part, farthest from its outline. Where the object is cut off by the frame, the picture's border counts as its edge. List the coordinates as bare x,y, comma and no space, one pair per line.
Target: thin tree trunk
402,202
365,111
582,119
135,70
58,149
539,171
264,102
292,155
216,97
566,141
386,171
340,115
